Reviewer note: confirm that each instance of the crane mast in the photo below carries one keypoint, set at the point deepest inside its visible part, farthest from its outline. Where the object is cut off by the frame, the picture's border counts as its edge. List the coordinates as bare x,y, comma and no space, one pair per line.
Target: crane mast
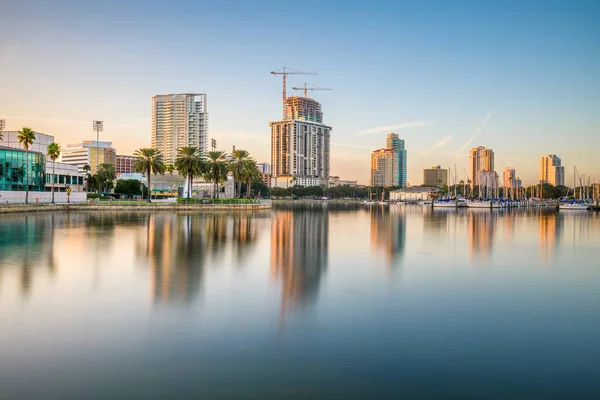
288,71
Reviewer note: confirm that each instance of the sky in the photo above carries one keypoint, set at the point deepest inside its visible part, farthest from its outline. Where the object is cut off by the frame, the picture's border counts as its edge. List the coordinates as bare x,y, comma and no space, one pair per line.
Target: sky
520,77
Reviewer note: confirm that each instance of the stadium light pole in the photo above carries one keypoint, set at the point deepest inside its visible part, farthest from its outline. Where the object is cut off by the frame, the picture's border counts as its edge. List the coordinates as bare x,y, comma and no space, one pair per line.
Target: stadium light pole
98,127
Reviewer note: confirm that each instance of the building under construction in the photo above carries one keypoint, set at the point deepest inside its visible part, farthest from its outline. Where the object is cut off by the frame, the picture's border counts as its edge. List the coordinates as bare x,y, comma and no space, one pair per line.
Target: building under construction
300,145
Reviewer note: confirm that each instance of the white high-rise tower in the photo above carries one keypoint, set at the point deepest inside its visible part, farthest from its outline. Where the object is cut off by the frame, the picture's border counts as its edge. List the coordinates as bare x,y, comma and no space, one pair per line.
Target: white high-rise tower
179,120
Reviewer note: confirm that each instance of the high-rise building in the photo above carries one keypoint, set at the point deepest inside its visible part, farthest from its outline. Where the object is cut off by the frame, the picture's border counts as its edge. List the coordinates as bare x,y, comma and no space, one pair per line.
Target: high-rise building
300,145
124,164
384,167
551,170
481,160
388,166
393,142
265,171
435,176
510,177
179,120
89,152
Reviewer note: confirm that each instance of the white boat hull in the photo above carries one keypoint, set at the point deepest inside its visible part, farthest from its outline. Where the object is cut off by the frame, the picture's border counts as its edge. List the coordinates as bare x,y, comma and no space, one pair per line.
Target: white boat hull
574,207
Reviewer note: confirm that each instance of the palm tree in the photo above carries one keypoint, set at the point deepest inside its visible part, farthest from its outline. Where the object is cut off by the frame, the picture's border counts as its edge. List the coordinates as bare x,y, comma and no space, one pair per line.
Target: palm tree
189,162
216,169
148,160
170,168
237,168
251,174
26,138
106,174
53,152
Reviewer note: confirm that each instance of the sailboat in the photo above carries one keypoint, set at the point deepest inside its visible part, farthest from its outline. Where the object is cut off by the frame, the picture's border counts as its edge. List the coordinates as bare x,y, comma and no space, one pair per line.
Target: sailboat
575,204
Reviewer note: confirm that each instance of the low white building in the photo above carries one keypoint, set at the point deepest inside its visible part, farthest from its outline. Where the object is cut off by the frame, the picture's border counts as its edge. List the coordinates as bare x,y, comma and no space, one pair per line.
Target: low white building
288,181
414,193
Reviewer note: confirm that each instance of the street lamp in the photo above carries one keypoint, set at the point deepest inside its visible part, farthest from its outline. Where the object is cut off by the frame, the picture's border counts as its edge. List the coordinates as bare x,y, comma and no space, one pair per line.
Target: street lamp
98,127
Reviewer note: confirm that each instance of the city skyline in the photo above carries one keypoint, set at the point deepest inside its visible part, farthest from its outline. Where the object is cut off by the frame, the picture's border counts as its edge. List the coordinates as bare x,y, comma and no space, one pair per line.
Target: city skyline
523,86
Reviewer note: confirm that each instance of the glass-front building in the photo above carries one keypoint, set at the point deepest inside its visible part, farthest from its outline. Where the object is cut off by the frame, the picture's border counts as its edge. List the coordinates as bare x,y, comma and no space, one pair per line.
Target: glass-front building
13,173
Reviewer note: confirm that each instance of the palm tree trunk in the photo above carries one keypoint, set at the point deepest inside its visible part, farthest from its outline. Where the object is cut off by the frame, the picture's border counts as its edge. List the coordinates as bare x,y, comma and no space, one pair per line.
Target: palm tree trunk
239,189
53,169
189,179
26,180
149,187
248,187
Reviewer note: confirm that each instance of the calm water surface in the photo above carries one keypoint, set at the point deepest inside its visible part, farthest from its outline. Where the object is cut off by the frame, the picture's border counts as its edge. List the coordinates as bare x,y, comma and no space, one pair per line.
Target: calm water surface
304,303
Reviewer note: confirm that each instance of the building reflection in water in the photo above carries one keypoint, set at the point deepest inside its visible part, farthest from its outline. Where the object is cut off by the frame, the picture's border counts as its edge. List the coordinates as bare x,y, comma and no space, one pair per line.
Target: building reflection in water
550,229
480,228
27,243
175,247
178,247
388,232
299,250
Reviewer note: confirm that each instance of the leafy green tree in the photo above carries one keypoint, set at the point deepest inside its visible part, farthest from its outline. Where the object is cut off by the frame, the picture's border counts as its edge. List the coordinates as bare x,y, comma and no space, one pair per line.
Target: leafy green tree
170,168
129,187
26,138
148,160
238,168
216,169
53,152
280,192
189,163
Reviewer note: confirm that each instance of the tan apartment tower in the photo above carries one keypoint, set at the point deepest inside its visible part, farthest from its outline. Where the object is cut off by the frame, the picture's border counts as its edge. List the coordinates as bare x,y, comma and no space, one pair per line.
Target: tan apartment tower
300,145
385,166
481,163
435,176
179,120
551,170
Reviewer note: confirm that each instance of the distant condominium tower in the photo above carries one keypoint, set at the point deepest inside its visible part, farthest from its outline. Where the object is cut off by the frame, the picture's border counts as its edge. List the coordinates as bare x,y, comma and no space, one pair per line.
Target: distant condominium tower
124,164
481,160
388,166
179,120
385,165
393,142
435,176
300,145
551,170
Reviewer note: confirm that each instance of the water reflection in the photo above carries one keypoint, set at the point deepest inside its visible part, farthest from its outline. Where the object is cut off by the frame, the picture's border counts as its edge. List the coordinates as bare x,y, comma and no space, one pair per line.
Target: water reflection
299,246
480,230
550,227
178,247
388,232
27,243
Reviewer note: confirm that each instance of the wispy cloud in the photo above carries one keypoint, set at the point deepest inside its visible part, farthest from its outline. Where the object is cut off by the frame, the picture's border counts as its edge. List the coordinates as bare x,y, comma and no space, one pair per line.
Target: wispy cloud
474,136
352,146
442,142
391,128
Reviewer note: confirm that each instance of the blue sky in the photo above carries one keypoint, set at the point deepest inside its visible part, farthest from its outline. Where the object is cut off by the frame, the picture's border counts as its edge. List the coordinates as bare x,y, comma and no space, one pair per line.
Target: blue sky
520,77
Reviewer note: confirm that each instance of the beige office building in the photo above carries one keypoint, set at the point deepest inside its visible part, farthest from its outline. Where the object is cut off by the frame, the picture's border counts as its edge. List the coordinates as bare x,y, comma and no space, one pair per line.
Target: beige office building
435,176
89,152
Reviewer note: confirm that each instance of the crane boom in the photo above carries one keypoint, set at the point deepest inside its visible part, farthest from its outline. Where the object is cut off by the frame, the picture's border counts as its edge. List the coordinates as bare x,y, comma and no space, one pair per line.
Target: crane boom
285,73
305,89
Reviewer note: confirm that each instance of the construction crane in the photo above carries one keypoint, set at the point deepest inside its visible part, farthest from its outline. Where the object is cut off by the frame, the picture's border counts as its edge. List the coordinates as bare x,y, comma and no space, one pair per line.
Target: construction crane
305,88
285,73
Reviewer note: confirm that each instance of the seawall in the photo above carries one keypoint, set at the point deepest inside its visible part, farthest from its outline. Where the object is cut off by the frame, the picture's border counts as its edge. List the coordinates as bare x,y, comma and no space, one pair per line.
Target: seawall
9,209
